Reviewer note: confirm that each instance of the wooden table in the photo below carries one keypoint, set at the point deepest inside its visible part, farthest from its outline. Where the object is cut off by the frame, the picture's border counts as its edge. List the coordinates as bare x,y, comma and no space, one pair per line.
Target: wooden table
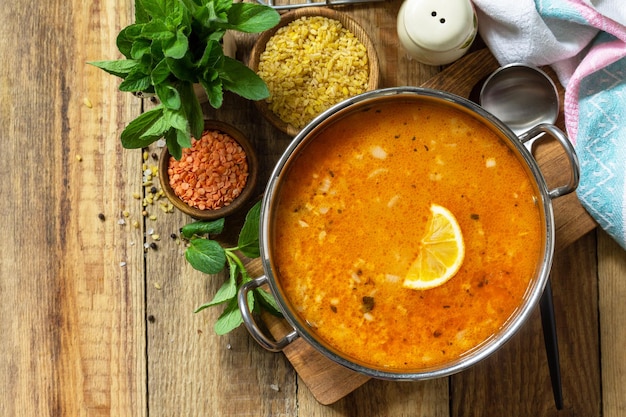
94,324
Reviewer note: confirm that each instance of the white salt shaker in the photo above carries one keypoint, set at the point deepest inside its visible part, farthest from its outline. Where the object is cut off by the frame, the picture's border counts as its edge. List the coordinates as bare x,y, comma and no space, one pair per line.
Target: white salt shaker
437,32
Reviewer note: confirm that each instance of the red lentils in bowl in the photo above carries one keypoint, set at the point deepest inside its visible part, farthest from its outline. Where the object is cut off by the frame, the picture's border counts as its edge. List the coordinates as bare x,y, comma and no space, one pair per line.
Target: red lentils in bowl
210,174
218,173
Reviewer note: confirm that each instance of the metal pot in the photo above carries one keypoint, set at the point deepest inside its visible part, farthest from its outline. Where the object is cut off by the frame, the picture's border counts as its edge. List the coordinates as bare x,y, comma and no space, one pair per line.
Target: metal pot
536,286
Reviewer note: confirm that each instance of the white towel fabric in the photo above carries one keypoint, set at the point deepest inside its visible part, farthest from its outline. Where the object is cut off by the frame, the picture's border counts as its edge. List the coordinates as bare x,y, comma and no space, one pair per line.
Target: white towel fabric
516,32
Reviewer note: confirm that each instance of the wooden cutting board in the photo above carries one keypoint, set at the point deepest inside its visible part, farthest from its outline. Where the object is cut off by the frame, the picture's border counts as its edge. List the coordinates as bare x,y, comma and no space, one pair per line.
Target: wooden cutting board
329,381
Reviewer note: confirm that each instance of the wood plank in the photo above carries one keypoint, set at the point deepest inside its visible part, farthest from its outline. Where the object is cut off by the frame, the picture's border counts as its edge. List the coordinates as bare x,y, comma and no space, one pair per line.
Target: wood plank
190,368
463,77
72,317
384,398
515,380
612,293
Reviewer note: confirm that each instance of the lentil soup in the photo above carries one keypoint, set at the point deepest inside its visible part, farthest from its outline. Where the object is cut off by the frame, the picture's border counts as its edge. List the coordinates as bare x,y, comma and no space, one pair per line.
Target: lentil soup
350,210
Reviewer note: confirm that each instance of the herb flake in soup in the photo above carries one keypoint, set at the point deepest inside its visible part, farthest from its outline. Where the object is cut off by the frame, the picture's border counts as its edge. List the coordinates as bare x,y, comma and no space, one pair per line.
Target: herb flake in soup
350,212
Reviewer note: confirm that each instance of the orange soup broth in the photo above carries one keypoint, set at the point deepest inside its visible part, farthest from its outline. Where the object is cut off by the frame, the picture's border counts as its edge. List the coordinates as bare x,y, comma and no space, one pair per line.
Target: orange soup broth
351,212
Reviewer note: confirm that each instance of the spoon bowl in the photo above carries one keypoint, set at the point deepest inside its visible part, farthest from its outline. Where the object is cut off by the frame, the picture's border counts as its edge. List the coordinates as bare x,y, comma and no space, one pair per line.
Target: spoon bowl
521,96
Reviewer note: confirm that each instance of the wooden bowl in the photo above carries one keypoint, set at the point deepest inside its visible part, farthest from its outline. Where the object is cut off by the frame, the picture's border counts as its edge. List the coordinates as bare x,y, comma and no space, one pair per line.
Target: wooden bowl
287,18
239,202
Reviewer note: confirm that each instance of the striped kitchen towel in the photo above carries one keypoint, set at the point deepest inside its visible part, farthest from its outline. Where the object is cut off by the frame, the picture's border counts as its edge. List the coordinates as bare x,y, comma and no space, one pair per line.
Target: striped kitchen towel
585,43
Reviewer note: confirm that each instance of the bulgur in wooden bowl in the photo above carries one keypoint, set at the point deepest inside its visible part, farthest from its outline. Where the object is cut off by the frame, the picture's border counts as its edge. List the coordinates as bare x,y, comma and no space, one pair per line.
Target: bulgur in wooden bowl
214,178
314,58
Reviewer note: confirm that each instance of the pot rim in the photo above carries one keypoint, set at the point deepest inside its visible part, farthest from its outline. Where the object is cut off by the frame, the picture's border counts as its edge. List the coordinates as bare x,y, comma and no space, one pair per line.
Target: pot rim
513,323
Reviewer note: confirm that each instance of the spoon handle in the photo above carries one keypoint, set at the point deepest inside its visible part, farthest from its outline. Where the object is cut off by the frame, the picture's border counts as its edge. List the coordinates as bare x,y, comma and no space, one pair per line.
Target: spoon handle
548,323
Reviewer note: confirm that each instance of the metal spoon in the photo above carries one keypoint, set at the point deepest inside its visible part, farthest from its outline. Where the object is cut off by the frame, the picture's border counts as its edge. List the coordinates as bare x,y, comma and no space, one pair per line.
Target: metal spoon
523,96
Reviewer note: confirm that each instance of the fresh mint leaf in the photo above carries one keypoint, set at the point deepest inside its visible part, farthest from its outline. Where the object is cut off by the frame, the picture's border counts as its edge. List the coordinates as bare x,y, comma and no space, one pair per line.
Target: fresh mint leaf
160,73
156,130
206,255
136,80
227,291
214,92
176,47
230,318
157,29
127,36
132,136
177,120
183,138
140,48
160,9
174,42
220,6
212,55
120,68
170,98
258,298
241,80
202,228
248,242
141,15
174,148
178,17
203,306
183,69
267,301
133,84
247,17
192,108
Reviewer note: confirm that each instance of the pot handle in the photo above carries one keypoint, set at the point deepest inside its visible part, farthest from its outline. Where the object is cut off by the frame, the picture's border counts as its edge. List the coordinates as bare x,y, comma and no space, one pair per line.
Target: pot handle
537,133
250,322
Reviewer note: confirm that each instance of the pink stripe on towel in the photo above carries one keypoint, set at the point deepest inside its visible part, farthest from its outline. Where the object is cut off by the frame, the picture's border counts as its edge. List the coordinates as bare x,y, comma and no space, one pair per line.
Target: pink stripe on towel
599,57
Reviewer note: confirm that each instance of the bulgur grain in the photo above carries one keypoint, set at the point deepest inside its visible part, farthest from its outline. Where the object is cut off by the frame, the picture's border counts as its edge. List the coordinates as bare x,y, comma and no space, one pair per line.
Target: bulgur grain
311,64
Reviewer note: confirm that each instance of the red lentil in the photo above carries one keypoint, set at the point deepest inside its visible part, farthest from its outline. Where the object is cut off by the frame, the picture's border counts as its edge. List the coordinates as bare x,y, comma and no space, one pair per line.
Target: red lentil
210,174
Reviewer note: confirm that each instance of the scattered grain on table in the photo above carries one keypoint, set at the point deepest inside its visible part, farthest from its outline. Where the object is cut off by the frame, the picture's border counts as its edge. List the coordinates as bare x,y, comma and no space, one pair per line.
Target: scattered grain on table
311,64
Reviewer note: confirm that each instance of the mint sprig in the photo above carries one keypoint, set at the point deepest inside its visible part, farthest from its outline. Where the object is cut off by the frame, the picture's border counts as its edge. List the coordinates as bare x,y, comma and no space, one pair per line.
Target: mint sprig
173,45
209,256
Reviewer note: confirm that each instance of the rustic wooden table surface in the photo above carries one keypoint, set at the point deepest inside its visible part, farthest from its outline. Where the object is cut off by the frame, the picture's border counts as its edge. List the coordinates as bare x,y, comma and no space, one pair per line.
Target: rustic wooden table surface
92,324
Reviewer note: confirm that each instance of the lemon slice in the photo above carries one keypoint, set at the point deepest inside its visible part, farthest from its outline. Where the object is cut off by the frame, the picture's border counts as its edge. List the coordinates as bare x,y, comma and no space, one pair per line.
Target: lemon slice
441,252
